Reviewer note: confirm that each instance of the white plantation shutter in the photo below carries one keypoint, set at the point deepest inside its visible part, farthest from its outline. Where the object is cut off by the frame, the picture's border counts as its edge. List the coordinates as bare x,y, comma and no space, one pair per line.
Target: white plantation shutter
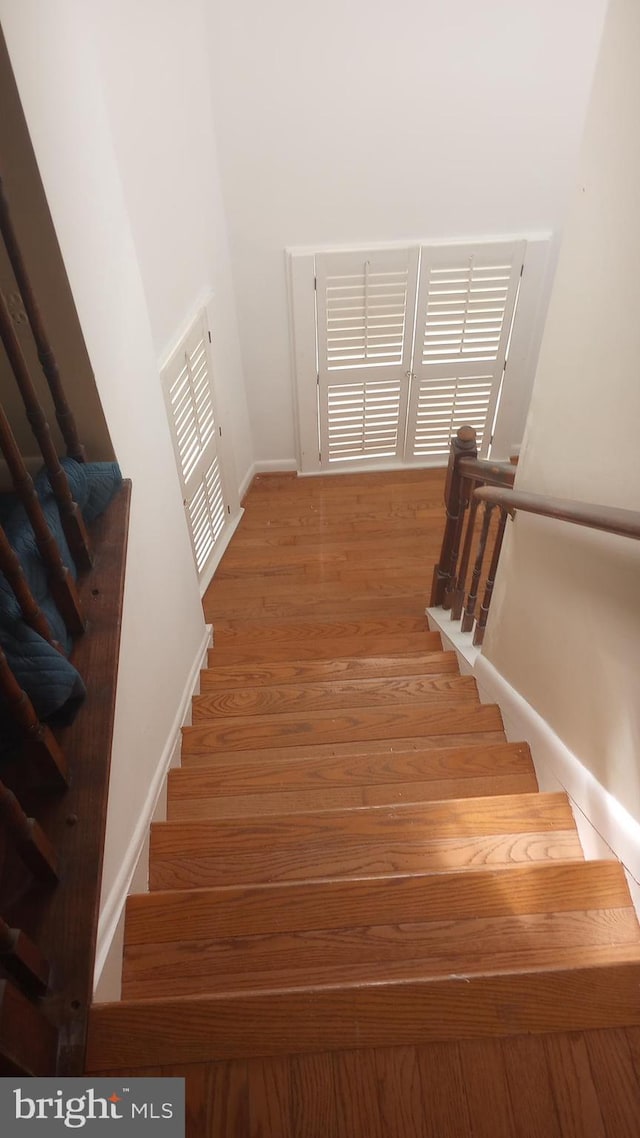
465,307
365,303
188,393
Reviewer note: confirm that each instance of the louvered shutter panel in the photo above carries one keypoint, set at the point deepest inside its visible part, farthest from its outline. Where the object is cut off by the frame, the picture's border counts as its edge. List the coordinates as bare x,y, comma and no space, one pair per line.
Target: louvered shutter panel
365,304
190,405
465,307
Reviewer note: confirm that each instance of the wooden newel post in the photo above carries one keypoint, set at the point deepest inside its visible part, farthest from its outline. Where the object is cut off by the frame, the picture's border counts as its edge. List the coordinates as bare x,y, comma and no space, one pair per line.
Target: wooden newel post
64,414
462,446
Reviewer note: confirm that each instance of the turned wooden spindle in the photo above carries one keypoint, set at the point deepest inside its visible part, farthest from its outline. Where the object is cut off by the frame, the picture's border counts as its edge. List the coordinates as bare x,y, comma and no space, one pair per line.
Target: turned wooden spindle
458,591
462,446
481,622
22,959
30,841
40,743
470,607
31,611
64,414
70,513
61,583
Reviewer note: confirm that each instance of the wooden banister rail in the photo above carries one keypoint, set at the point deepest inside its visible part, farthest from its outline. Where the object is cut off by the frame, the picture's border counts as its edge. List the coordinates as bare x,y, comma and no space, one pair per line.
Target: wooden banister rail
70,514
64,414
463,547
609,519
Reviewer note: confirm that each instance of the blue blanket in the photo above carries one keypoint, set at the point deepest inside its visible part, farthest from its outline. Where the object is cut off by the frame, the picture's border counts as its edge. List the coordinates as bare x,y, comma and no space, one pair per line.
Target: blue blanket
54,686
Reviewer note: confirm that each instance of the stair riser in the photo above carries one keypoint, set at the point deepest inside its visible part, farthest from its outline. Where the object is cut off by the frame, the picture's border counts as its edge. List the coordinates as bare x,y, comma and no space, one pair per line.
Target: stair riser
348,725
363,860
208,1028
230,912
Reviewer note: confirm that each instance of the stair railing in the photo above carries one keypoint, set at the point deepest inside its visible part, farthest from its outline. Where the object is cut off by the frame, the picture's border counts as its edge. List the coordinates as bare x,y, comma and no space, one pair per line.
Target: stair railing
466,569
53,789
476,486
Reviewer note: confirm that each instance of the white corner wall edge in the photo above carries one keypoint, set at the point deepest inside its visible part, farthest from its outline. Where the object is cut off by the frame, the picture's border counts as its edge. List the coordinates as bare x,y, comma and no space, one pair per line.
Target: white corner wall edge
604,826
112,910
267,466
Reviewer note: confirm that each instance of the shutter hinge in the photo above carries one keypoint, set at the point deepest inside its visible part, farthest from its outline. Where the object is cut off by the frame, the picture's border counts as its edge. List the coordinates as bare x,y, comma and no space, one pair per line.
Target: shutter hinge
315,283
318,380
220,431
209,335
228,509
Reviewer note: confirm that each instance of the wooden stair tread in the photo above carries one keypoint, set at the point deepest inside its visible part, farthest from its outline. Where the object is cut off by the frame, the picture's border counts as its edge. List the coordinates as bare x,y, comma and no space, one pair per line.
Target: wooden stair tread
198,754
338,668
370,840
404,822
236,733
361,858
376,765
232,631
258,647
375,952
538,887
193,1029
333,694
199,805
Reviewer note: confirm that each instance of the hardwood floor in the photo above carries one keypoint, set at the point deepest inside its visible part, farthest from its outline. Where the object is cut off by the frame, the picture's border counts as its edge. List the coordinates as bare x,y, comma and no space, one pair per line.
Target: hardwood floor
363,920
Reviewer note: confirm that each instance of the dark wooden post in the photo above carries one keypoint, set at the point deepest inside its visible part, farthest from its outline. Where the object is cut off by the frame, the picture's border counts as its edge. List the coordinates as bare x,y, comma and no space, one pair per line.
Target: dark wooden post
70,514
30,841
61,583
462,446
64,415
13,571
23,960
40,743
481,622
458,590
470,607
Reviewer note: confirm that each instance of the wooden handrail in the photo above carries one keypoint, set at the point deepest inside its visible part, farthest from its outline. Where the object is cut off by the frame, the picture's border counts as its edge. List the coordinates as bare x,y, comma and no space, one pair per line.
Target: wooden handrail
488,473
609,519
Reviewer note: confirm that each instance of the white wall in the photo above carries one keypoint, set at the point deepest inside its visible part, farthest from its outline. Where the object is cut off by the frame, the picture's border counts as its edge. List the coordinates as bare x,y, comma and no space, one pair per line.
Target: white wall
58,75
155,77
564,628
364,121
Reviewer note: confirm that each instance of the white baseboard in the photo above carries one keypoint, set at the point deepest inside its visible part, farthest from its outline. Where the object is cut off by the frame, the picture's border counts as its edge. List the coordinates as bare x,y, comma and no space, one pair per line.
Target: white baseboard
267,466
453,639
113,906
604,826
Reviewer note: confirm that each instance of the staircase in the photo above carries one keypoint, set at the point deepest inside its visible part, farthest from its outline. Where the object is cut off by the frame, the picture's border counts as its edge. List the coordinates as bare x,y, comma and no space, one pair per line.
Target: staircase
354,856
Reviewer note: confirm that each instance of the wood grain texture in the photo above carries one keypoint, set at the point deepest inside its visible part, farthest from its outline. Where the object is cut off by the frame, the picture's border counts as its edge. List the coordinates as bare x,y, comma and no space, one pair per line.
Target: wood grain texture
487,1088
344,765
292,802
443,1091
377,1015
616,1082
534,1107
371,747
360,955
242,911
315,671
571,1082
353,724
363,859
334,694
